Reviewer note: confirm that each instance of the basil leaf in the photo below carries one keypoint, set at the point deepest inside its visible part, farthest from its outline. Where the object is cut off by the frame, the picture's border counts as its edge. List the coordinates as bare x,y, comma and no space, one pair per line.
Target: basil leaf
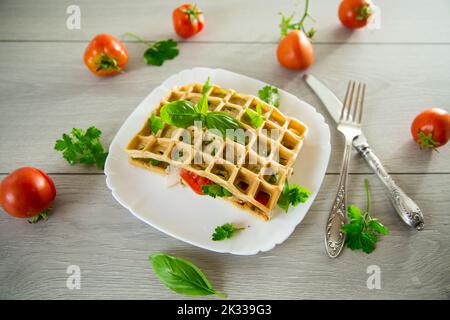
155,124
202,105
181,276
221,121
179,113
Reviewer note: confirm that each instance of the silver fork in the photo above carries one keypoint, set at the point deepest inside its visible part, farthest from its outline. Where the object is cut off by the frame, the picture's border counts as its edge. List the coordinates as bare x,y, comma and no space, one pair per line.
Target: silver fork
350,126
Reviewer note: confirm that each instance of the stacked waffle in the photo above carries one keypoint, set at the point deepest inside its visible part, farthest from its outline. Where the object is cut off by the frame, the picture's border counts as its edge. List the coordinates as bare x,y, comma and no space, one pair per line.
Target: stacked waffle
253,167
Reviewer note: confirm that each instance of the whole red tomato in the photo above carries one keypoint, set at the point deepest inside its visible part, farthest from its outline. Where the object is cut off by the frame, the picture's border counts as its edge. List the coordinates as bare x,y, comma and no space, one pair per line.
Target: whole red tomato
194,181
188,20
27,192
295,51
105,55
354,13
431,128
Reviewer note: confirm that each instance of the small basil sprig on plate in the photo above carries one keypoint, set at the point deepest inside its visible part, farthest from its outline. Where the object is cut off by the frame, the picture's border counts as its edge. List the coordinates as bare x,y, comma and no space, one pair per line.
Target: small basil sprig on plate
256,118
184,113
292,195
181,276
158,51
225,231
362,230
270,95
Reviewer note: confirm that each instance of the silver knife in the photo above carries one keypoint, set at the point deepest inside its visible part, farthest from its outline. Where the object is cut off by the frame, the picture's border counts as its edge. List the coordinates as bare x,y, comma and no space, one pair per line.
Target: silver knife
406,208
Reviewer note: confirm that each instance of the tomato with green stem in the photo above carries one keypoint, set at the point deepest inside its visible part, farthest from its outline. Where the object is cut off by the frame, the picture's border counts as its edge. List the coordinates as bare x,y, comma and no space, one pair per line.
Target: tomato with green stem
188,20
295,49
431,128
354,14
27,193
105,55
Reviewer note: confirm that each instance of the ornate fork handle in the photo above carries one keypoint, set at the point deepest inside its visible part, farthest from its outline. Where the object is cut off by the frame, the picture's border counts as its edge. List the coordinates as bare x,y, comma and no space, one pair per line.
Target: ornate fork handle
406,208
334,237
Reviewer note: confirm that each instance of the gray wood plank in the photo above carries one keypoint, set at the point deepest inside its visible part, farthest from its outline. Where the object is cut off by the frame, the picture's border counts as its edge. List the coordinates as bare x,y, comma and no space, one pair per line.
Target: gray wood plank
255,20
48,95
90,229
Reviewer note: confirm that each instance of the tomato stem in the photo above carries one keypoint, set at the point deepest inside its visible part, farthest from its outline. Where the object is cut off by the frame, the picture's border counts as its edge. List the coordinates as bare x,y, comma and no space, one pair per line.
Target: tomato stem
41,216
138,38
107,63
286,24
426,141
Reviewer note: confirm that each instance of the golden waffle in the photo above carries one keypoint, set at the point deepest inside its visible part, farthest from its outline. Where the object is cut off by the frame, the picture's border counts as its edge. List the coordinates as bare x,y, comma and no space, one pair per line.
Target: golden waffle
255,169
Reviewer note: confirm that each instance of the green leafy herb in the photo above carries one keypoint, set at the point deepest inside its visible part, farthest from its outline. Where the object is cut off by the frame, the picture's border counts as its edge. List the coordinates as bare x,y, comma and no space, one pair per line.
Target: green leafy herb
158,51
154,162
225,231
270,95
256,118
214,190
362,230
82,147
221,121
287,25
202,105
181,113
292,195
181,276
156,124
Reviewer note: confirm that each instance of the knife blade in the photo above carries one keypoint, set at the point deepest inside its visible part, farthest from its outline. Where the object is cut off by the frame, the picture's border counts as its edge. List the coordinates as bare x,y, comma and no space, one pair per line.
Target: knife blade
406,208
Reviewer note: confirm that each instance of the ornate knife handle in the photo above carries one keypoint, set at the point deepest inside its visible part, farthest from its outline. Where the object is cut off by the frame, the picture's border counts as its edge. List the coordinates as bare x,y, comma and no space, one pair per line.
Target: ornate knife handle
406,208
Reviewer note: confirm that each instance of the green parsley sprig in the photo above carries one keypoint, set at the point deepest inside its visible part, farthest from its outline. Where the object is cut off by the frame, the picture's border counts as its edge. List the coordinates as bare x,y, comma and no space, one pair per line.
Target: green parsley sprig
82,147
362,230
292,195
225,231
157,51
270,95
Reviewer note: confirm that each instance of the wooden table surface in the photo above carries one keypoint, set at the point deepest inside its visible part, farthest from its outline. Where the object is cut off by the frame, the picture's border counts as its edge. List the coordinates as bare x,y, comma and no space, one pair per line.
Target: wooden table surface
46,90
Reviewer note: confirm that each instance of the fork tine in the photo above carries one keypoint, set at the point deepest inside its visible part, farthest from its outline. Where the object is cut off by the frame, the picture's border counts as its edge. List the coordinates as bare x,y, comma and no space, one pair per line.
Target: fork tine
351,103
357,104
348,96
359,120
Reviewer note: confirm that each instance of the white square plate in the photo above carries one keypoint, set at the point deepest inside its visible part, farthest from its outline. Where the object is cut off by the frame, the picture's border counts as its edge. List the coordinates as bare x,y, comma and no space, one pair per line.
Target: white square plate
181,213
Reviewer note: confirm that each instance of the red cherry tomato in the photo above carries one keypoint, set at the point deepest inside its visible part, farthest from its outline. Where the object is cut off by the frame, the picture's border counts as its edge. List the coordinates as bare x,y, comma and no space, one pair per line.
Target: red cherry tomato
105,55
354,13
194,181
431,128
188,20
27,192
295,51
